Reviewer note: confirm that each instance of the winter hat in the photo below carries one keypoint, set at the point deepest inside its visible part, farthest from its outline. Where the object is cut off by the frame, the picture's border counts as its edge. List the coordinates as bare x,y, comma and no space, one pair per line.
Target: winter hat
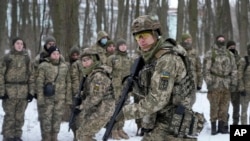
230,43
109,42
73,50
185,36
120,42
217,37
49,39
52,49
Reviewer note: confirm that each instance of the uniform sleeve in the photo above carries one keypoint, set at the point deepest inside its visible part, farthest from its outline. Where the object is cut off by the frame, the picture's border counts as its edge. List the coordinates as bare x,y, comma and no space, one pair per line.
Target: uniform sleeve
234,75
68,89
74,75
31,81
242,64
40,83
199,71
2,76
168,70
207,63
98,88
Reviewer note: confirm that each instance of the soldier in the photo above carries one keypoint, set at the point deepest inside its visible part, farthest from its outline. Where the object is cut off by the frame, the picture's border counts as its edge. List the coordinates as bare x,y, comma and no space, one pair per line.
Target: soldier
99,102
235,95
17,89
120,63
244,86
53,92
164,69
220,74
186,42
110,48
99,47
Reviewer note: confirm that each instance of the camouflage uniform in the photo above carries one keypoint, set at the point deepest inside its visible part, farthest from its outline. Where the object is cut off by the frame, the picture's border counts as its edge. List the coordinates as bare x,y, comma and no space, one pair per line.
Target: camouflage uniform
52,107
163,69
99,104
17,82
195,64
220,74
120,63
244,86
100,48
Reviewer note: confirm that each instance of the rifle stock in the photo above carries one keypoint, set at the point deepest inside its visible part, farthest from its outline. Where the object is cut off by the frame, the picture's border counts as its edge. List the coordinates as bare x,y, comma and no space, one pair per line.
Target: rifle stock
77,100
136,67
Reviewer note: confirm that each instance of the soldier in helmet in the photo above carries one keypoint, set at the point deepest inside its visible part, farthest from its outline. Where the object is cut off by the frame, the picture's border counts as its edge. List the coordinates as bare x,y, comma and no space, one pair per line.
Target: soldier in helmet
100,46
98,105
163,70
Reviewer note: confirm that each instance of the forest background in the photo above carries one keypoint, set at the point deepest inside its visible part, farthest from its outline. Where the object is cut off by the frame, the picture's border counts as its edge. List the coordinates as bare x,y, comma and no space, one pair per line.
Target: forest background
76,22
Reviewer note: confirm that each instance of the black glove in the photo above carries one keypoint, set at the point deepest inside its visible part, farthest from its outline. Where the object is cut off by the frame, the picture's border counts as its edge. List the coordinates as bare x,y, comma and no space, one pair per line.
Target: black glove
198,88
30,97
4,97
243,93
120,116
35,96
77,111
78,101
180,110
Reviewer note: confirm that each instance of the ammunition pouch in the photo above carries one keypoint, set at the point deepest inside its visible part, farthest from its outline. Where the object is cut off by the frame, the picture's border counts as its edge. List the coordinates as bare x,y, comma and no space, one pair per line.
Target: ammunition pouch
49,89
185,123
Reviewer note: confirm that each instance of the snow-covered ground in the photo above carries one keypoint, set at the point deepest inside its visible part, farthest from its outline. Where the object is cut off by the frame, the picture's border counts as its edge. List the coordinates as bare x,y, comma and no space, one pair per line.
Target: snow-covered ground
31,128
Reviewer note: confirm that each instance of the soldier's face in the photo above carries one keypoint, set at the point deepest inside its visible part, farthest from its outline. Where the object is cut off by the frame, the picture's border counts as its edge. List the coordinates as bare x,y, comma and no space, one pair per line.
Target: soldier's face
145,40
87,61
55,55
123,47
111,48
74,56
49,44
18,45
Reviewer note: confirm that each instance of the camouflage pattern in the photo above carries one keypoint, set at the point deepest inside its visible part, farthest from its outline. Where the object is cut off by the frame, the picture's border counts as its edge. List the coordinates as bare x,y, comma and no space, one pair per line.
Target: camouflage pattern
220,74
244,85
99,49
196,68
16,80
157,88
52,108
120,63
76,74
99,103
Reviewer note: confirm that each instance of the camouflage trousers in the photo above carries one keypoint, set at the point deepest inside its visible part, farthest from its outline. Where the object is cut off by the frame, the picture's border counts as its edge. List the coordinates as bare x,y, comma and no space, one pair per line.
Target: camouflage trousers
235,100
244,101
159,133
51,115
14,117
219,99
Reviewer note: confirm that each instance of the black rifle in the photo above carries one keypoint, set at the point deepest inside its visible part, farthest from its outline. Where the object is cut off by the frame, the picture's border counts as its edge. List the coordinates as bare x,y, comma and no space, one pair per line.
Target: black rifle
77,101
136,67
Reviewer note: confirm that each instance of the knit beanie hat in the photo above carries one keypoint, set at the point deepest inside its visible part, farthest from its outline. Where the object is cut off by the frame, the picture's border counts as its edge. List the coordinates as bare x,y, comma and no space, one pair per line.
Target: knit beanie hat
120,42
49,39
74,49
185,36
52,49
230,43
109,42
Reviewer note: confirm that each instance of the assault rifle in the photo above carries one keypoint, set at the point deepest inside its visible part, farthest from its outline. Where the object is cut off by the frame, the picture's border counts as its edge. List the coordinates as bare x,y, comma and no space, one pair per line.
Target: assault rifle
77,101
136,67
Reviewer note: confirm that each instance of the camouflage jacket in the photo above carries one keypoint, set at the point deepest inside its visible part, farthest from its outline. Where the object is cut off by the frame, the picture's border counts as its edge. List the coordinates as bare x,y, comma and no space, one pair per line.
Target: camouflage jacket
219,68
168,70
16,75
47,72
244,75
76,74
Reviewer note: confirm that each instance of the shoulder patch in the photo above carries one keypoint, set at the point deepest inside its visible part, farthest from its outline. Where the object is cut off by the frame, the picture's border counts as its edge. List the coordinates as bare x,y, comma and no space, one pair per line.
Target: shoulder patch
164,80
165,75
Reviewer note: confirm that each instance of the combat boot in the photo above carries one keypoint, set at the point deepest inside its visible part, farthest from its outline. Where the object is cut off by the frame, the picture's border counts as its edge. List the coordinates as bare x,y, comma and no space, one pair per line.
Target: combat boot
221,128
54,136
115,135
123,134
213,128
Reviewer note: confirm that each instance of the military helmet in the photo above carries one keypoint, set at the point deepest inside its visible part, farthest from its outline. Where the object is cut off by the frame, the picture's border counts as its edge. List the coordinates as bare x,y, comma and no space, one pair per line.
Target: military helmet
144,23
89,52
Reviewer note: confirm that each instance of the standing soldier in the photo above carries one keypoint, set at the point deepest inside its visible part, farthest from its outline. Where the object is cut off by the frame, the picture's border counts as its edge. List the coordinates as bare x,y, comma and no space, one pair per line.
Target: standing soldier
120,63
220,74
195,62
235,95
163,71
98,104
244,86
17,89
99,47
53,92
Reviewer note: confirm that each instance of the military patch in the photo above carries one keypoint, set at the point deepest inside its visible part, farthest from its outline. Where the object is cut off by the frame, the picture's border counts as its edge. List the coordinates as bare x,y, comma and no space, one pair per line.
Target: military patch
163,84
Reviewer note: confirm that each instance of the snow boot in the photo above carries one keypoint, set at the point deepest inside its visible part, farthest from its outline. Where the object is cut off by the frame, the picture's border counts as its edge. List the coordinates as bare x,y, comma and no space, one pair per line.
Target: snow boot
213,128
123,134
221,128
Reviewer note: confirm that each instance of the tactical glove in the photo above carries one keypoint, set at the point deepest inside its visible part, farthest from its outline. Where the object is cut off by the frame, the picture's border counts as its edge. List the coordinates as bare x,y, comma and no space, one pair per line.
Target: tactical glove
198,88
243,93
78,101
120,116
4,97
30,97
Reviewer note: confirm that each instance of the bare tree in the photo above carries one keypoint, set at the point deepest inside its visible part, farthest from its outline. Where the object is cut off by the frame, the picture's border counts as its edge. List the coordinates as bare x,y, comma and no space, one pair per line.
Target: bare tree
193,20
180,19
3,28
